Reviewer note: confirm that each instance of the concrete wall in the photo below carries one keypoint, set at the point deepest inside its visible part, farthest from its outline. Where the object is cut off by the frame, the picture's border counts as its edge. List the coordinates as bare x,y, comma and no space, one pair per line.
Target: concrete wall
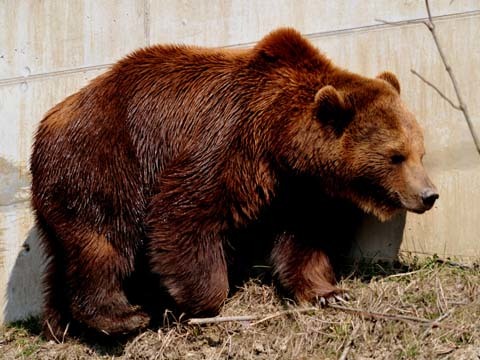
49,49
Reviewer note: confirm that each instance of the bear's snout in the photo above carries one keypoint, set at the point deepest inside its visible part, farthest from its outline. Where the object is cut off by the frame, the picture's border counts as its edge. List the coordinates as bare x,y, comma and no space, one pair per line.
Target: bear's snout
420,201
429,196
418,193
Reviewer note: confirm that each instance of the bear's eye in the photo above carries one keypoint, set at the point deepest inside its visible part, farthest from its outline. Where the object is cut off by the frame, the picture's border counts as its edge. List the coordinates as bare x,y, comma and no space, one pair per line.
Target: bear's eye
397,159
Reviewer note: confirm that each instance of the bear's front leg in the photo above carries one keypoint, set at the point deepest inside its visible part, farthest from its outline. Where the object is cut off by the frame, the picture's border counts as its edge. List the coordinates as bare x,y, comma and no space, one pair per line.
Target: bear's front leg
189,258
303,271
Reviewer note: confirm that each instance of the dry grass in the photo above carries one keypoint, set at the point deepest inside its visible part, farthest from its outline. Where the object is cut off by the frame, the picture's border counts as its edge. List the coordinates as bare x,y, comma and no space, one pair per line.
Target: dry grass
429,311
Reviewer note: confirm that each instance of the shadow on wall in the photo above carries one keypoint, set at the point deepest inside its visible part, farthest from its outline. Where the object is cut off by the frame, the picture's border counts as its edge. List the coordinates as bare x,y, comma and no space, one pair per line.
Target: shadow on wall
24,287
355,235
21,259
344,229
345,232
378,240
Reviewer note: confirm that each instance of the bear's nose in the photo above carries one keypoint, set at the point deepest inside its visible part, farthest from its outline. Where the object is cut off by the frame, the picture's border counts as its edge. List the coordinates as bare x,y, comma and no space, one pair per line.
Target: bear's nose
429,196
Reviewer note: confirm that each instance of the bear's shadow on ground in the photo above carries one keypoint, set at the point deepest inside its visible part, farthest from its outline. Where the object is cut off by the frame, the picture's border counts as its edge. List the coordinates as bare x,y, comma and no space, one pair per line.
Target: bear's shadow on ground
342,226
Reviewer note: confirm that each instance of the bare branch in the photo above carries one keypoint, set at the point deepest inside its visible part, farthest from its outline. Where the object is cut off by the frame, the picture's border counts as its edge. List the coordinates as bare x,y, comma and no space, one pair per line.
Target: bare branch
403,274
435,323
442,317
455,106
260,318
454,264
429,13
365,313
462,106
220,319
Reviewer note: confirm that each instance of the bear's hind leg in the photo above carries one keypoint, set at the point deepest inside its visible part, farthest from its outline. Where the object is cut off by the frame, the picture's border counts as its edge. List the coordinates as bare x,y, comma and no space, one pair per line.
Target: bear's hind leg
99,300
303,271
56,315
94,271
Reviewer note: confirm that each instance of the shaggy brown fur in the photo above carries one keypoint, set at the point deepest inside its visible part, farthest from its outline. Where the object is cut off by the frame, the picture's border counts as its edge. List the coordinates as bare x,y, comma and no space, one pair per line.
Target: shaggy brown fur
175,148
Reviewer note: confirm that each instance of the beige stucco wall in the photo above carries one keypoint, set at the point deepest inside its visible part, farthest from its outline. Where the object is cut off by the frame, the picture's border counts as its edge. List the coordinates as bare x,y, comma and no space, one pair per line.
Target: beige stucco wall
49,49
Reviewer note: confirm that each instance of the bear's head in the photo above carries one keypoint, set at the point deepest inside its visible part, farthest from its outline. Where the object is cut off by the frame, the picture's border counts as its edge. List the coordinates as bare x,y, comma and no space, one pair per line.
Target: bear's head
354,133
367,146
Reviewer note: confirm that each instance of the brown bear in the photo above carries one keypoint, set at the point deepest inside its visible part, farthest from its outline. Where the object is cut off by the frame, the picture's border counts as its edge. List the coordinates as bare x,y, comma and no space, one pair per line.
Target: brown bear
161,160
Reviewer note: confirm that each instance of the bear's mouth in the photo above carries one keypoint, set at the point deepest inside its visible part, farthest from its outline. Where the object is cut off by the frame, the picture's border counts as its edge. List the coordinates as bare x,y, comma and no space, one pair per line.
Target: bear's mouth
375,199
382,196
420,209
395,203
416,211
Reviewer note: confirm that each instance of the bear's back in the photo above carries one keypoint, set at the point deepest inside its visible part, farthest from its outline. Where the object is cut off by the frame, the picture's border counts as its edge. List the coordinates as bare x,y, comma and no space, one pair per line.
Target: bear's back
117,134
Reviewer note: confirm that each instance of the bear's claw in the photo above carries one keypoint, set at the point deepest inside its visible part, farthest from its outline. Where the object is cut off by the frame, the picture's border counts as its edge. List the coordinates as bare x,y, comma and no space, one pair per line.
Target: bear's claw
333,299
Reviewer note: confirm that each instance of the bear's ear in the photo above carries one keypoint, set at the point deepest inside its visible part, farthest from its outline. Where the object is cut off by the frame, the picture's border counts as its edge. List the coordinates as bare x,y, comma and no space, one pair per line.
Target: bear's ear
284,44
333,108
391,79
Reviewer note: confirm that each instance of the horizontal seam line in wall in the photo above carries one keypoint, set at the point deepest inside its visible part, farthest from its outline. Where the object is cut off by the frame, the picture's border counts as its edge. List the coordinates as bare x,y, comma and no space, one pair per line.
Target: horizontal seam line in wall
379,26
23,79
393,24
473,13
15,202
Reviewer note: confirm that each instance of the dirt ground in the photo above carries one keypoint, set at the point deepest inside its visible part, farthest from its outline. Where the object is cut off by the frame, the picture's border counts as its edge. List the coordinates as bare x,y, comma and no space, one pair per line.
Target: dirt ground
424,310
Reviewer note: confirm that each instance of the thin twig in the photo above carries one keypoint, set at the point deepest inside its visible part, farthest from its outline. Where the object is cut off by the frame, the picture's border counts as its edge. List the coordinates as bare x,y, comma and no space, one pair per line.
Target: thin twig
65,332
52,333
439,92
454,264
441,302
442,317
220,319
386,22
435,323
403,274
348,344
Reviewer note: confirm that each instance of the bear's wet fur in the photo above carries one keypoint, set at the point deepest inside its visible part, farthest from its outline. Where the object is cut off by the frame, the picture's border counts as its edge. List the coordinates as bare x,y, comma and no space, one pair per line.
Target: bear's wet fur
160,164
